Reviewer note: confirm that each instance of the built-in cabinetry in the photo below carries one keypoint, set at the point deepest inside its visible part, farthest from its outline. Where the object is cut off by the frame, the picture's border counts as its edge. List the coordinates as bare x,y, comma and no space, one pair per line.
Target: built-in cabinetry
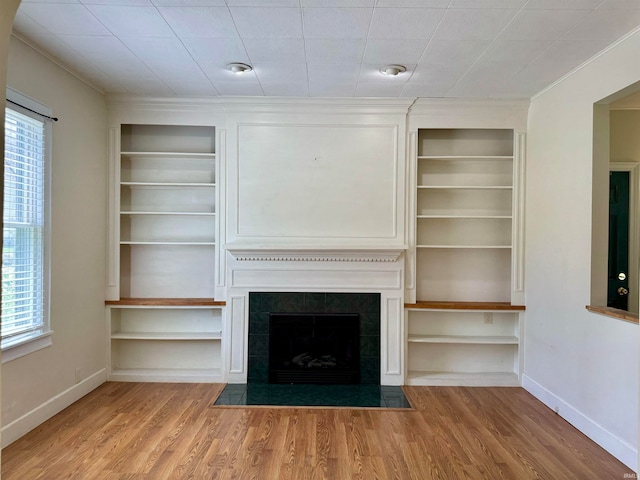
165,340
163,322
463,329
464,344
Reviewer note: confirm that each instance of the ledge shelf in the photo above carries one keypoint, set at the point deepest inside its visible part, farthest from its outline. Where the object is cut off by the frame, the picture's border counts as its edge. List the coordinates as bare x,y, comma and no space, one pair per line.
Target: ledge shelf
165,302
478,306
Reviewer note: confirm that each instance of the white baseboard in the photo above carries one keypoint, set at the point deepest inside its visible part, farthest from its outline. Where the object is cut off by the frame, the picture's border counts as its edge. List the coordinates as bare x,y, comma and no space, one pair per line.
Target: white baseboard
622,450
42,413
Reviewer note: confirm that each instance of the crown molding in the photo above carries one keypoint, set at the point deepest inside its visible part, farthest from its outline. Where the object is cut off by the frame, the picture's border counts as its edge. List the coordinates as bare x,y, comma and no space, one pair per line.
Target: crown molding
264,104
164,103
333,106
427,105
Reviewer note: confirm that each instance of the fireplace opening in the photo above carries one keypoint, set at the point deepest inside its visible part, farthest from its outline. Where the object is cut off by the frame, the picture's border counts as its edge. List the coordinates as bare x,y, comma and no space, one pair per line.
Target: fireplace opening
317,348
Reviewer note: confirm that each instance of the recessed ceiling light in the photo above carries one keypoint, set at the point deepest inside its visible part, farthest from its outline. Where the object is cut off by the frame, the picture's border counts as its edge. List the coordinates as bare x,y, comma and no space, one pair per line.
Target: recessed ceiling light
239,68
393,70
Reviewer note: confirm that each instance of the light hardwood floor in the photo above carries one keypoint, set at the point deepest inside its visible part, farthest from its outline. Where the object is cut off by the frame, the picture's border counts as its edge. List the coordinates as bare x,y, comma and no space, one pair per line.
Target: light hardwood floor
135,431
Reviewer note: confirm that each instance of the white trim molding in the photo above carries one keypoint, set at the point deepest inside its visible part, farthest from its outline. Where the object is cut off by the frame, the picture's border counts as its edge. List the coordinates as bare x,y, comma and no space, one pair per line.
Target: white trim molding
619,448
30,420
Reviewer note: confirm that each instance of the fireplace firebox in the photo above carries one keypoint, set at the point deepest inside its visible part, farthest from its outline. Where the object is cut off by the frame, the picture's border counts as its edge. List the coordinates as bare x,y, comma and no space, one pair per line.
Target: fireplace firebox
320,348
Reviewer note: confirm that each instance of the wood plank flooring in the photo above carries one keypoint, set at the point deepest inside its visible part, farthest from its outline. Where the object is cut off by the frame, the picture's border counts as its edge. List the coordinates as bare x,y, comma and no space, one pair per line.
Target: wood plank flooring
143,431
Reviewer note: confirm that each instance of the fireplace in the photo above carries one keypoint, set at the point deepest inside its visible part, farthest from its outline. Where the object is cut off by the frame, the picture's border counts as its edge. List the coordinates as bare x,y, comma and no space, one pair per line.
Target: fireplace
354,317
322,348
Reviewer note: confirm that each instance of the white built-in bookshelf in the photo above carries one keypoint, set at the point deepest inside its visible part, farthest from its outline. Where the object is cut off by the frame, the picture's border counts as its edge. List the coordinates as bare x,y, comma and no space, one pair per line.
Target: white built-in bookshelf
463,330
165,324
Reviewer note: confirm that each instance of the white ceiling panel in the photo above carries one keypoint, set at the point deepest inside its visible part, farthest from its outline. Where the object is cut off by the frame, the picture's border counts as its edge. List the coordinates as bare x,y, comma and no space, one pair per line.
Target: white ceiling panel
139,3
334,50
212,54
333,73
189,3
510,56
337,22
209,22
267,22
519,85
166,57
561,59
481,24
405,22
444,74
131,21
142,85
190,86
108,54
443,52
51,1
499,63
413,3
476,89
542,24
378,90
281,73
285,89
332,89
433,89
262,3
562,4
622,4
65,18
338,3
606,25
275,50
394,51
472,4
479,48
242,89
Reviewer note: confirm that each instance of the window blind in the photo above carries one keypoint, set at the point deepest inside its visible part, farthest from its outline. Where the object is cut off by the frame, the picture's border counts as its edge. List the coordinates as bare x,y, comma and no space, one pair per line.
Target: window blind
23,309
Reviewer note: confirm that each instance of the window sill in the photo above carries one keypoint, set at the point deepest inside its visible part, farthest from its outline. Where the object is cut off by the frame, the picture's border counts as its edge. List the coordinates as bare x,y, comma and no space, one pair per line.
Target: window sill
614,313
26,346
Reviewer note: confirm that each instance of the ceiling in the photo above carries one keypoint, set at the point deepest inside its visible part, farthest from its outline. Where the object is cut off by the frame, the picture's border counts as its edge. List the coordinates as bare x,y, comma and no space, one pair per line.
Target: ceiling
324,48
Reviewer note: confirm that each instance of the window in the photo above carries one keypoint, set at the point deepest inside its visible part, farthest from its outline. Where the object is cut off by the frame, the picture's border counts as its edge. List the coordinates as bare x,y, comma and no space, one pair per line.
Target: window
24,260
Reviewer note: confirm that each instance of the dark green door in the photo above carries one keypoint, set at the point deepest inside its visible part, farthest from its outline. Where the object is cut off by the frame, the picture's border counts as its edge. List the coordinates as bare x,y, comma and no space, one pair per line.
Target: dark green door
618,285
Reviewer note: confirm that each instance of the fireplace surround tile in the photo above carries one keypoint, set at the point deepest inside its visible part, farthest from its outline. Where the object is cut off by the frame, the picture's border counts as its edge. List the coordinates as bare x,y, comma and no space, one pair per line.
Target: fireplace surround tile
367,305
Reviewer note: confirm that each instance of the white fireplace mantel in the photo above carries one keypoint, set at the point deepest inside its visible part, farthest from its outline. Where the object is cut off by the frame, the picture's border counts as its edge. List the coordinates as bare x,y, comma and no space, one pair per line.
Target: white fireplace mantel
260,267
266,253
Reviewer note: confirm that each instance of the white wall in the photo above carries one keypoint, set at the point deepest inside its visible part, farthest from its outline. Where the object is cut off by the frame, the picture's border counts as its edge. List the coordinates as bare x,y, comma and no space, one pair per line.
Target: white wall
625,135
38,385
582,364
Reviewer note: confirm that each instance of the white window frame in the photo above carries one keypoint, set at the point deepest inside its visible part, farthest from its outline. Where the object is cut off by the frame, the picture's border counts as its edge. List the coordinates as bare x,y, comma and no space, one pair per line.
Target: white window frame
37,340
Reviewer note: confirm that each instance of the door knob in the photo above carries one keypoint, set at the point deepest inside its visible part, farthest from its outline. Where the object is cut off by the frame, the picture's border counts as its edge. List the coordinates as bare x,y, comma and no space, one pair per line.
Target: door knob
622,291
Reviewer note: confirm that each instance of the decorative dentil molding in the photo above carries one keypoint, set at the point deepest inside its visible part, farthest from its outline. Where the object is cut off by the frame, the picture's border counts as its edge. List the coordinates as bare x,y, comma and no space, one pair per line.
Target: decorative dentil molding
315,255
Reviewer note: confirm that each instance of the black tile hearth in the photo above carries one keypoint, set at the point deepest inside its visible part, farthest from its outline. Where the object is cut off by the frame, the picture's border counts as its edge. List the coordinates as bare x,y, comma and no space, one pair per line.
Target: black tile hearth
265,394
